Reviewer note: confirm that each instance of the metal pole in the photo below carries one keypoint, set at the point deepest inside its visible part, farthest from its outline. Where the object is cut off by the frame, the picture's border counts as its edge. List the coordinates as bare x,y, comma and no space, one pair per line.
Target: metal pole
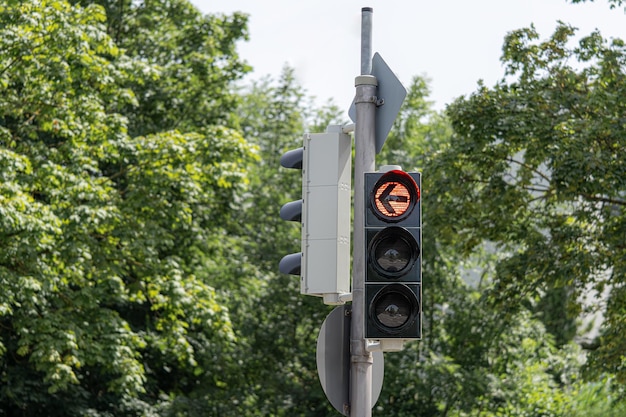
366,40
365,152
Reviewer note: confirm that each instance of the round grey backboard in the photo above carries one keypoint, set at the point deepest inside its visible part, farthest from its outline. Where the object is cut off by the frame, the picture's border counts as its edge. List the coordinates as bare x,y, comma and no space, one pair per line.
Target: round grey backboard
333,360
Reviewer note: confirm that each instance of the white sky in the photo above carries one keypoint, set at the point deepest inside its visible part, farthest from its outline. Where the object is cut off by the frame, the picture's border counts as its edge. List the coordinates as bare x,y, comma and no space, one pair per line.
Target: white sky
453,42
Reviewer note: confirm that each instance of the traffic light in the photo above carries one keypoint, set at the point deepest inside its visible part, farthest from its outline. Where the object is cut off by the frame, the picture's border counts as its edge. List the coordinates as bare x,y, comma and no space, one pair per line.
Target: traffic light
324,214
292,211
393,272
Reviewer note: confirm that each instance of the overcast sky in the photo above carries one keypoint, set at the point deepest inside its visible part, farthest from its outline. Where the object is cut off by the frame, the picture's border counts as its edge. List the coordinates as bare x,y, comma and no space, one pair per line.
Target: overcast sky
453,42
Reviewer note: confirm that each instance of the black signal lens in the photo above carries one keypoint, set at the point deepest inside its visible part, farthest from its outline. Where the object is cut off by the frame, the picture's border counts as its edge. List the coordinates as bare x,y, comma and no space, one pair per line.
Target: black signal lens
393,251
394,308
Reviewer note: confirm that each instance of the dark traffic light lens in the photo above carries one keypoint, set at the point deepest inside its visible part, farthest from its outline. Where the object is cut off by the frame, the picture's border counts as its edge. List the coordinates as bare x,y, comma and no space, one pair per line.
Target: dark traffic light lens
393,252
394,308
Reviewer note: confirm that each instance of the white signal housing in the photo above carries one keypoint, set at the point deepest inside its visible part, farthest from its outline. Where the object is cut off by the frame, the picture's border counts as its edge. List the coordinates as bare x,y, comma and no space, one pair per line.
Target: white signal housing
326,188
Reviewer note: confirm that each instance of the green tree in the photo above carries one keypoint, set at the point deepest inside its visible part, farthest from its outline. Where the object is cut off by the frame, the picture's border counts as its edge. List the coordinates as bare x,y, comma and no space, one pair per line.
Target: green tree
536,166
190,63
101,312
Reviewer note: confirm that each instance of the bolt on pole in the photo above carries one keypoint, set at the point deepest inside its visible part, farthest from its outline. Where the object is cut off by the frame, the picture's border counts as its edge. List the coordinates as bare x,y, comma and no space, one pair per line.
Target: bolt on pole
365,153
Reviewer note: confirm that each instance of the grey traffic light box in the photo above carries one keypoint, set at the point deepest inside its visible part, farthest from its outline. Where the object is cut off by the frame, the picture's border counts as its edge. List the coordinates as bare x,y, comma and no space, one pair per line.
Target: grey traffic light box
326,188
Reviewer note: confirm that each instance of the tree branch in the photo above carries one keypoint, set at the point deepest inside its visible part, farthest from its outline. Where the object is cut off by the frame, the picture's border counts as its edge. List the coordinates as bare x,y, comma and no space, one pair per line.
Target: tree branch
528,167
602,199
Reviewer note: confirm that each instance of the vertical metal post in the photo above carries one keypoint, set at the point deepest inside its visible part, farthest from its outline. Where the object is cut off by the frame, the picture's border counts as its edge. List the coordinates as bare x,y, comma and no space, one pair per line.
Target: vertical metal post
365,153
366,40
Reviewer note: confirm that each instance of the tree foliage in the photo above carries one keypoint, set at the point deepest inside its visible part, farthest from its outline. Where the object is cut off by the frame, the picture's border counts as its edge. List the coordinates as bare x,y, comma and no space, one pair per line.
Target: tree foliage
100,308
537,167
189,63
612,3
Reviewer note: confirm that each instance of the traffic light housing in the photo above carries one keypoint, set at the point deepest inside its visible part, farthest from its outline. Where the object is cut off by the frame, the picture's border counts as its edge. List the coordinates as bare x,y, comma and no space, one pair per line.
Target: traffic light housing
393,272
324,213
